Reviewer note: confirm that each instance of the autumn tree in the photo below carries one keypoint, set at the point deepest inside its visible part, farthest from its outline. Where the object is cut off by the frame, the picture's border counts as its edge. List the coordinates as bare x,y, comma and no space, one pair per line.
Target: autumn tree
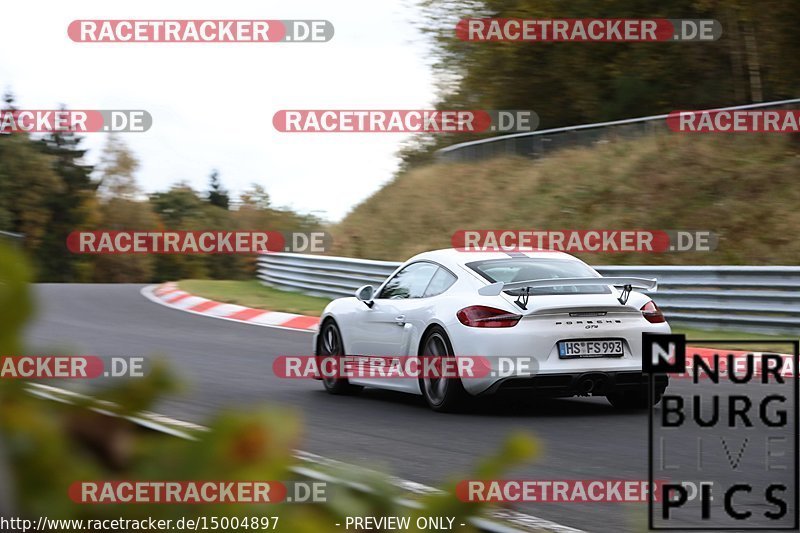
28,182
117,168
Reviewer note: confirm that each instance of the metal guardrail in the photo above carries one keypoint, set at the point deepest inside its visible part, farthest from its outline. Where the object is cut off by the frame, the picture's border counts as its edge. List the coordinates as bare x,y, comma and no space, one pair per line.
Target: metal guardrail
11,236
322,275
537,143
763,299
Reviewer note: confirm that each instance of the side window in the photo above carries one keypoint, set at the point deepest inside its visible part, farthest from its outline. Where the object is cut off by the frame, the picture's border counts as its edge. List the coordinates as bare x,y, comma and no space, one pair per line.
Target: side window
441,282
409,282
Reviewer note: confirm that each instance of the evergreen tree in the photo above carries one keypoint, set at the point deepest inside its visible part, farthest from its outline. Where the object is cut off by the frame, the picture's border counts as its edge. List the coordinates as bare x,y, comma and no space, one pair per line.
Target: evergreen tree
217,195
71,210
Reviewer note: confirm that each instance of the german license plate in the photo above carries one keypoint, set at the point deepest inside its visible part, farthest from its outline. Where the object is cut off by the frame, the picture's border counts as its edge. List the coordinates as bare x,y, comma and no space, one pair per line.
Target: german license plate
590,348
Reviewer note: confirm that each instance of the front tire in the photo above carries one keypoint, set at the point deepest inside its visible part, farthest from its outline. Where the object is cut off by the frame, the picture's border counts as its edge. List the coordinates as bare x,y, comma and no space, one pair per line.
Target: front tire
331,345
443,395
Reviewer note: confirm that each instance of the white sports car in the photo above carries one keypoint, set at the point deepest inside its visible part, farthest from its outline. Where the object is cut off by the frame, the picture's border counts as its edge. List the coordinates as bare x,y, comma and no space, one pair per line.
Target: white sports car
582,333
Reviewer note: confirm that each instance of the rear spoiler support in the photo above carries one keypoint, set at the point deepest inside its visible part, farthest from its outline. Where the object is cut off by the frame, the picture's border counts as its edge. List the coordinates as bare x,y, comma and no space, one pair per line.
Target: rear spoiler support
522,300
626,292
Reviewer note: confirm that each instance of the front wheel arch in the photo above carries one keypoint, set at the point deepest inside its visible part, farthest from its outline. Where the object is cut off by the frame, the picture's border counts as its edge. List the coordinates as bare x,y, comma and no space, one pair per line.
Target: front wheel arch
334,385
324,322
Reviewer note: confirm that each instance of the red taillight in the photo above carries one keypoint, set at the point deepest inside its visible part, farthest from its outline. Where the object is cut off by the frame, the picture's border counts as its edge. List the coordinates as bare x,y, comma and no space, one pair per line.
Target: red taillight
480,316
652,313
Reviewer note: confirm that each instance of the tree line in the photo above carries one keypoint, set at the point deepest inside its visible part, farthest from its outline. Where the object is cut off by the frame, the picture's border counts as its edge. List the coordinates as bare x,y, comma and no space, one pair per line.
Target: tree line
48,190
757,59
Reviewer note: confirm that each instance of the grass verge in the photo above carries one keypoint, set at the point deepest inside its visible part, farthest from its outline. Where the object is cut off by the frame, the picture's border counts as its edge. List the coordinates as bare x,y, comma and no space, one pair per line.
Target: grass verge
253,294
743,188
733,336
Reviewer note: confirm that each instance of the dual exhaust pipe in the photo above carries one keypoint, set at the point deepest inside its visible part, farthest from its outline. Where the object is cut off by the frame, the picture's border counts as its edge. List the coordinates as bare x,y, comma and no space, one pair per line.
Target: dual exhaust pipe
588,384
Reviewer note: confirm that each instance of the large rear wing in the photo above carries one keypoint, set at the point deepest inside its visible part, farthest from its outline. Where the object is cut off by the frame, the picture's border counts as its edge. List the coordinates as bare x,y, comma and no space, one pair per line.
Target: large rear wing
523,287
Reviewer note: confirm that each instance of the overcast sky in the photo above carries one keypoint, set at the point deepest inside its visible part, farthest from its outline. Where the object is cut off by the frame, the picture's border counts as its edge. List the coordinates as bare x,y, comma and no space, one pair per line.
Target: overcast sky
212,104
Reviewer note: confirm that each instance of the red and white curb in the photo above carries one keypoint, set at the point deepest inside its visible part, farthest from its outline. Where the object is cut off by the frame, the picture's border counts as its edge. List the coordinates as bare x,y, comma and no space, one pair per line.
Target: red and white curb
170,295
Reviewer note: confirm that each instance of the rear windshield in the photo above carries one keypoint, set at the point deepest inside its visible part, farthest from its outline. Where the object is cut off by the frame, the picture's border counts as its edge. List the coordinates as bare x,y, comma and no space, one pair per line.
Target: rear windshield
524,269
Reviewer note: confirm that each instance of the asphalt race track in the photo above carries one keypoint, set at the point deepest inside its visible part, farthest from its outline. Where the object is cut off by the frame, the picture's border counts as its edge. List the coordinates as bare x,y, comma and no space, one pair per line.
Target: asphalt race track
227,364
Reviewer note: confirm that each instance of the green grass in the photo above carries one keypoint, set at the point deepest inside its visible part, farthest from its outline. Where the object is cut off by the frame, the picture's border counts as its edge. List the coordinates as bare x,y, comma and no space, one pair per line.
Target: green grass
254,294
743,188
734,336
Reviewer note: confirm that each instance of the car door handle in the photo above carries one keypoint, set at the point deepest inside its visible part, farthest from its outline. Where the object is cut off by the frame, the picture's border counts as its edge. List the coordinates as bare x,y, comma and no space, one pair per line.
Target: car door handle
400,320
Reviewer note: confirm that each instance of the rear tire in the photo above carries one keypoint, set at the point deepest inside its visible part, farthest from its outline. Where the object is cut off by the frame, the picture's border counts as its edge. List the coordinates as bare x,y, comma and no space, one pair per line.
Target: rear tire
331,345
634,399
443,395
